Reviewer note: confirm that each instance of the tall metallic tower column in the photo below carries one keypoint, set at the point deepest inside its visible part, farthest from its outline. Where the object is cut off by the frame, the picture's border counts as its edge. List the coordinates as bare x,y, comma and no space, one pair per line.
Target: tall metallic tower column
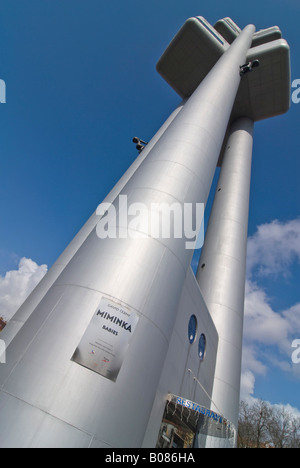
140,278
221,271
26,309
262,94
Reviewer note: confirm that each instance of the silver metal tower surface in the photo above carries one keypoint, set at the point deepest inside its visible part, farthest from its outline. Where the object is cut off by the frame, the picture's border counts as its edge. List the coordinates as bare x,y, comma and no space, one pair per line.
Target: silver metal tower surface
24,312
222,266
120,330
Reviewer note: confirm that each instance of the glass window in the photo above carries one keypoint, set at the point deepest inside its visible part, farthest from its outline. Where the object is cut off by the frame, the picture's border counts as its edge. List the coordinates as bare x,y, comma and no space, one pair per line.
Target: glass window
192,329
202,347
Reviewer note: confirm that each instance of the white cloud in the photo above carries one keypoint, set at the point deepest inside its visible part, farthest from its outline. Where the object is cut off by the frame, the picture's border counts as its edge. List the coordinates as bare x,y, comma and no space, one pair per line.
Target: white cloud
268,335
292,315
273,248
16,286
247,385
251,361
262,324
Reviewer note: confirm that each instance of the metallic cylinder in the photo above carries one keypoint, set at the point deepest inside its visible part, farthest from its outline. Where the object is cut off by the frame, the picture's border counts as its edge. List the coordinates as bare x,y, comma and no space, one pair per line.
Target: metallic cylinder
26,309
221,271
142,274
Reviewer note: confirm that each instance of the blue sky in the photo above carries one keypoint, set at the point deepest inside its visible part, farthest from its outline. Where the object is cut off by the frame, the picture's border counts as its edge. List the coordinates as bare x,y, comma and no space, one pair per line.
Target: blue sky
80,83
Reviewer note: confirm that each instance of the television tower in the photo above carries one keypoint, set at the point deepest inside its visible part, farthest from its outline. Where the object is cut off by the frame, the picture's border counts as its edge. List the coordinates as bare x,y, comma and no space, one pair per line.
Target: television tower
121,345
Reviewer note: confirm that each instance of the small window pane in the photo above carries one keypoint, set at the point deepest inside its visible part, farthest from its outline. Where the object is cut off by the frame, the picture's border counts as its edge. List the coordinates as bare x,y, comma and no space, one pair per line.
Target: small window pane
192,329
202,347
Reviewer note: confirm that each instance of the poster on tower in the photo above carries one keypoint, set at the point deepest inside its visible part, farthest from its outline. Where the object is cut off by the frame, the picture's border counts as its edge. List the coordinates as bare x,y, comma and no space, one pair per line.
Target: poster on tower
104,344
